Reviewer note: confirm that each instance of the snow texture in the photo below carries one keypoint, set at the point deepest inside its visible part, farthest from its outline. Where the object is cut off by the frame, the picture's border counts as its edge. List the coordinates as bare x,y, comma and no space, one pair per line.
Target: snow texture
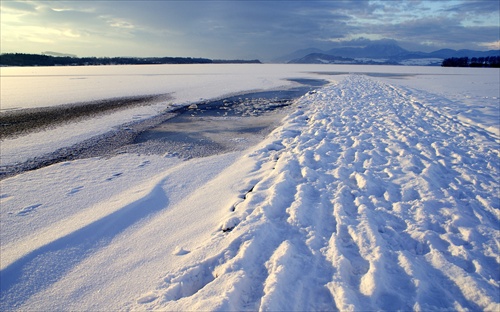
375,201
371,195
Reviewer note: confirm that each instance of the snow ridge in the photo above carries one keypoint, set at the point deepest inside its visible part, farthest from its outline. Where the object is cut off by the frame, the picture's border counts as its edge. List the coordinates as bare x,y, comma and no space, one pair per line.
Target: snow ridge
375,201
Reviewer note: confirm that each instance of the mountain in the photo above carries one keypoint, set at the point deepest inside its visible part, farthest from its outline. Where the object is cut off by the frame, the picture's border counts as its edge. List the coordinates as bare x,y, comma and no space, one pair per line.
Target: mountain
380,53
296,55
443,53
321,58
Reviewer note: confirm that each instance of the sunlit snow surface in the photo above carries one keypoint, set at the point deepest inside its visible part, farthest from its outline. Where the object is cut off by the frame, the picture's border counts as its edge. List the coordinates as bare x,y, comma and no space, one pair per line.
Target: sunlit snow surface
378,192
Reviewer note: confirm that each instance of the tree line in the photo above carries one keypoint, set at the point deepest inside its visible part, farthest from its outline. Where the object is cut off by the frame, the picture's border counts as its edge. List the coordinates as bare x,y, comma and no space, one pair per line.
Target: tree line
488,61
22,59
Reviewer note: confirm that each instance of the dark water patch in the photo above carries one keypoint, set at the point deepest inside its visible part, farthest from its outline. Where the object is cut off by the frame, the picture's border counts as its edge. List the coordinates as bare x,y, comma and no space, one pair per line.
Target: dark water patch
310,82
193,136
219,126
245,105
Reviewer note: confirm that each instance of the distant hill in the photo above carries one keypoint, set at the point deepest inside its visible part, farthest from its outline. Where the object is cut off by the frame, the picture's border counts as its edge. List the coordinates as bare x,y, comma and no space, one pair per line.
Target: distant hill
321,58
296,55
385,53
22,59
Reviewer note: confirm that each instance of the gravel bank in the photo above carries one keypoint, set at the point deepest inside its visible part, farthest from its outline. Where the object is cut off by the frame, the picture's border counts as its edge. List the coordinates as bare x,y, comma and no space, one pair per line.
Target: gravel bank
23,121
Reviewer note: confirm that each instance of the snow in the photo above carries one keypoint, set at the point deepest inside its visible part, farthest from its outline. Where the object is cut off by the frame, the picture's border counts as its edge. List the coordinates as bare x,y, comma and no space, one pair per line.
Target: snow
49,86
379,191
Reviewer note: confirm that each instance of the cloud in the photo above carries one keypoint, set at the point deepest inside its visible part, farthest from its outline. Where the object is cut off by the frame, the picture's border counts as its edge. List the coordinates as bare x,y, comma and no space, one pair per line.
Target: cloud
119,23
440,32
363,42
16,6
235,29
476,7
495,45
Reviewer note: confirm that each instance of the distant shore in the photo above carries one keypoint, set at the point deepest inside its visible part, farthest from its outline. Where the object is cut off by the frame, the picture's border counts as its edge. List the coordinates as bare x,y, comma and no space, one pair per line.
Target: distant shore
23,59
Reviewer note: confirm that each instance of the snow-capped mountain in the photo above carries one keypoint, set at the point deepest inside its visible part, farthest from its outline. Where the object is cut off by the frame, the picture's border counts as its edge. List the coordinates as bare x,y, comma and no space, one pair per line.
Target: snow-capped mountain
380,53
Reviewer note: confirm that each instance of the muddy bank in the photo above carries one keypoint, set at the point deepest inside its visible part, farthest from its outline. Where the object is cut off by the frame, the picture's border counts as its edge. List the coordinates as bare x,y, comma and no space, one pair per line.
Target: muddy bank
23,121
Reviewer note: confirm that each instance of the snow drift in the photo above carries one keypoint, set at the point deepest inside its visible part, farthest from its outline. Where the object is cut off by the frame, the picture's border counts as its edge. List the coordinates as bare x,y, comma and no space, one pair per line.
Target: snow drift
375,201
370,196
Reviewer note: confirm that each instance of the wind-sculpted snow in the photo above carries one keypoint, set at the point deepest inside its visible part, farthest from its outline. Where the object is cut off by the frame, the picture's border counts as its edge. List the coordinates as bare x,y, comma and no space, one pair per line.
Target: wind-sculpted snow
368,198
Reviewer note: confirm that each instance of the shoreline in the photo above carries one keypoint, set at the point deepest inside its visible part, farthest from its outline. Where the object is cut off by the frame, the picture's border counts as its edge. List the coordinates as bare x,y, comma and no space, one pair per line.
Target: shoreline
124,139
27,120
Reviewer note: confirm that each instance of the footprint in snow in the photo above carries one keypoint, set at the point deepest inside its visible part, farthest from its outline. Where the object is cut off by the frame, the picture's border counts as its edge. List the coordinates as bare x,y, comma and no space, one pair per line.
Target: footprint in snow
74,190
114,176
144,164
28,209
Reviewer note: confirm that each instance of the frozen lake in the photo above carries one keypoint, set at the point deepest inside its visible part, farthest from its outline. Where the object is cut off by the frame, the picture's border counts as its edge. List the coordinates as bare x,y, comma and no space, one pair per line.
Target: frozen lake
473,93
375,191
25,87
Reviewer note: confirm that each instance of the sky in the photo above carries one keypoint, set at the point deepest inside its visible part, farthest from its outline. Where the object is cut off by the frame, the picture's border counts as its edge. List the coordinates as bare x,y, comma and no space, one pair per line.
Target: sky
242,29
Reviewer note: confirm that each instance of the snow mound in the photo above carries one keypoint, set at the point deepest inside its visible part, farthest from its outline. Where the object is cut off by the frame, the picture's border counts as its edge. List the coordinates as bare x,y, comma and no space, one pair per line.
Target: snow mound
373,200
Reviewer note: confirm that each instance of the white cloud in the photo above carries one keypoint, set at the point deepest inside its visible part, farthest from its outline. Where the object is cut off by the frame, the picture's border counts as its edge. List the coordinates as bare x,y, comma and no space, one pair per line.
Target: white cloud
230,29
495,45
120,23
